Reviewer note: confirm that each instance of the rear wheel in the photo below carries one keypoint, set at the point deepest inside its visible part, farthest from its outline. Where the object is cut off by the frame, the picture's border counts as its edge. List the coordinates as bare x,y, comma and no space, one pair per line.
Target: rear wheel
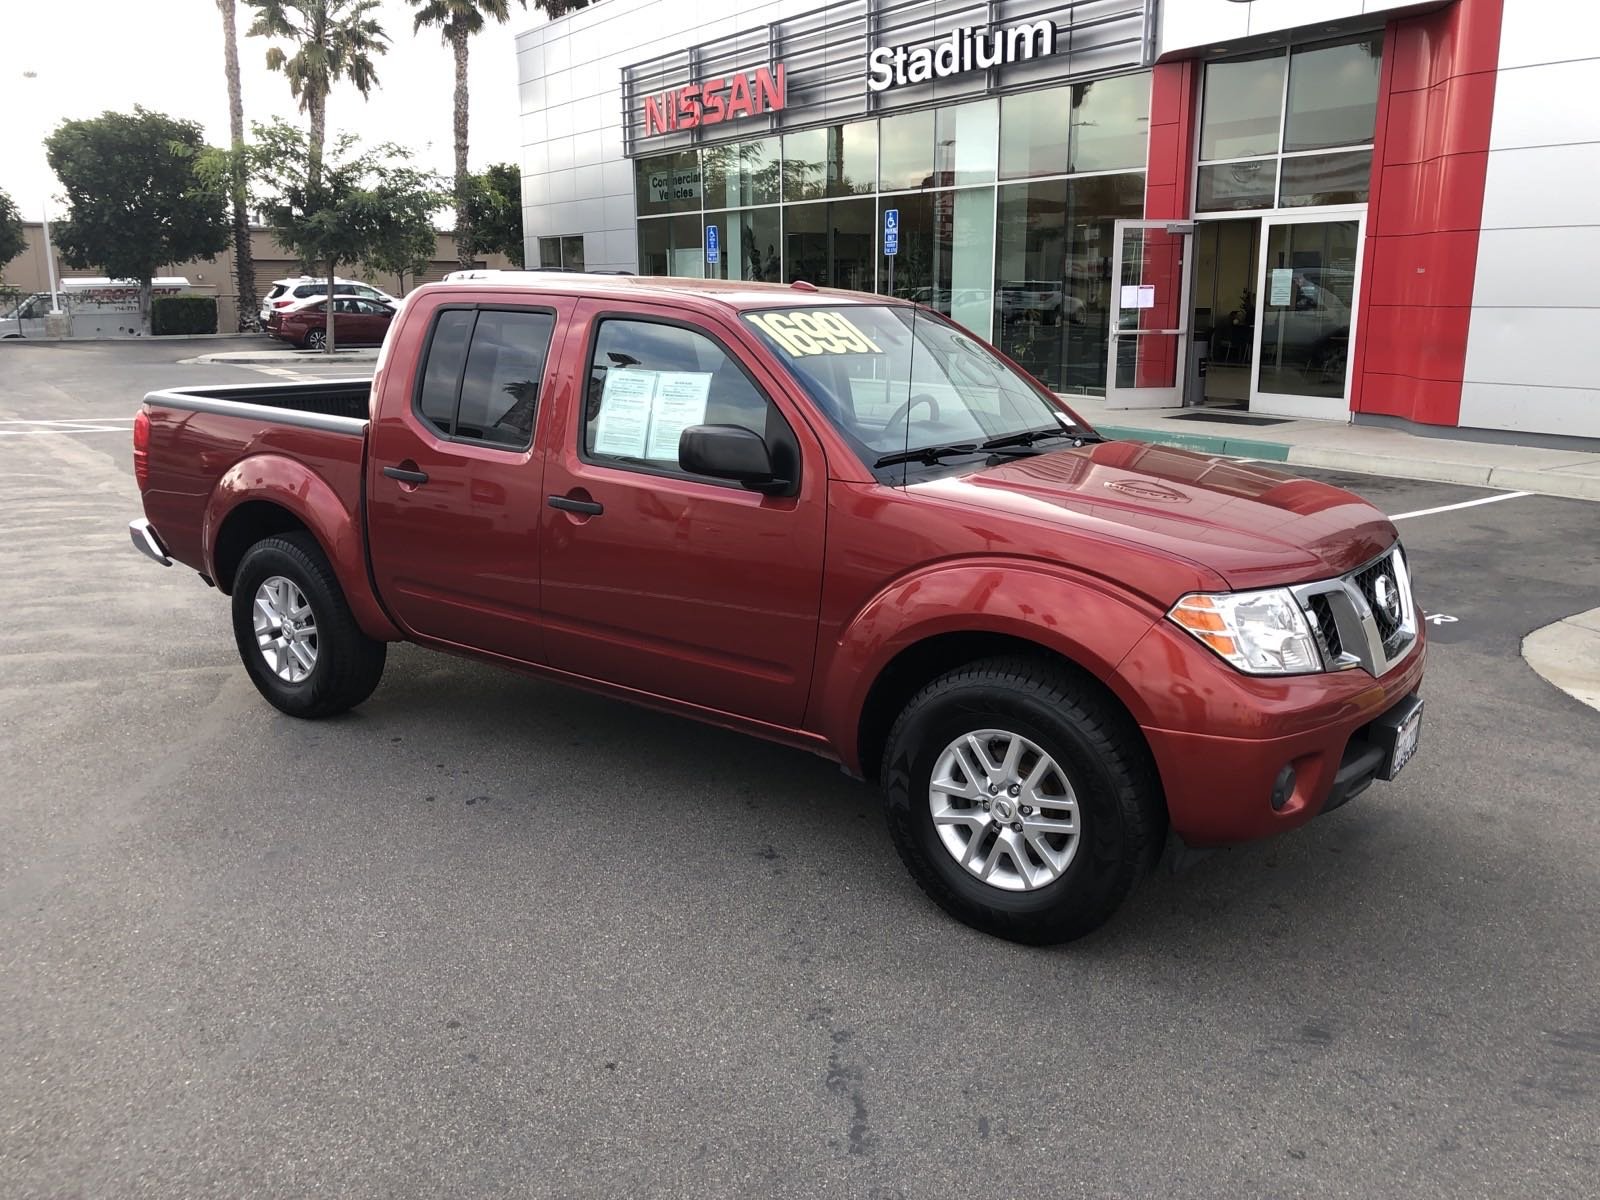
297,638
316,339
1023,803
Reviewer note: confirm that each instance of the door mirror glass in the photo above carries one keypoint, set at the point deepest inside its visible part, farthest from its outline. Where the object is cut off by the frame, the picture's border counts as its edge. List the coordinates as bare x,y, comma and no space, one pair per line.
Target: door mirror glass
727,452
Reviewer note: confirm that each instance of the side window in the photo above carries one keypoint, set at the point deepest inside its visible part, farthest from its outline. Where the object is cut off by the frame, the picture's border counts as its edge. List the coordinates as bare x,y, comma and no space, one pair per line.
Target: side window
648,382
482,375
441,375
500,391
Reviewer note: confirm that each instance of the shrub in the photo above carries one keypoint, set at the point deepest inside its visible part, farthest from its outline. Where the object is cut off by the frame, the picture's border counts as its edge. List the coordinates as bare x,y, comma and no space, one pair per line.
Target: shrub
183,314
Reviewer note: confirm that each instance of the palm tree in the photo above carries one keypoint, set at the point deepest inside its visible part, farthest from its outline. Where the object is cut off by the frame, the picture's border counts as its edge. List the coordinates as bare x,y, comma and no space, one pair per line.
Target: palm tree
243,264
457,21
335,39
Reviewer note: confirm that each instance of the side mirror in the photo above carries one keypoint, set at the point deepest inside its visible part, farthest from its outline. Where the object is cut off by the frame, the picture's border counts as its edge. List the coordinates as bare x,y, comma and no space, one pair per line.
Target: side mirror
729,452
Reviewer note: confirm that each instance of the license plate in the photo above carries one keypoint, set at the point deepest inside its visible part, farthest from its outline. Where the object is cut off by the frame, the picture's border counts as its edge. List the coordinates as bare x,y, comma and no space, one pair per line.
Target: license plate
1405,741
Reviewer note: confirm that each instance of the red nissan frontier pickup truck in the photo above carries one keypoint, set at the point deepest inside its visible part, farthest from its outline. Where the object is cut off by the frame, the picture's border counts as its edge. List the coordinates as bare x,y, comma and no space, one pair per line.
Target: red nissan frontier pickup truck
834,520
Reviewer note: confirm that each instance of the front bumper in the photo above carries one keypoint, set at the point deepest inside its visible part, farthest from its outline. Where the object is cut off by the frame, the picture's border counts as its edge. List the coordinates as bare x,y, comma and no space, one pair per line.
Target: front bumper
146,541
1220,783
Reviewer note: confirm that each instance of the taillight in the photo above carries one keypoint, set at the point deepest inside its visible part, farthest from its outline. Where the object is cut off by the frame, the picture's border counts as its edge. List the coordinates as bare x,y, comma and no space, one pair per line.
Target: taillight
282,303
141,449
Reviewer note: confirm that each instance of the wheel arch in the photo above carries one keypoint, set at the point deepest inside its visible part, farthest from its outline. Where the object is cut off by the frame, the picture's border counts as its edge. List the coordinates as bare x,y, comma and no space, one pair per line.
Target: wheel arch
920,663
264,495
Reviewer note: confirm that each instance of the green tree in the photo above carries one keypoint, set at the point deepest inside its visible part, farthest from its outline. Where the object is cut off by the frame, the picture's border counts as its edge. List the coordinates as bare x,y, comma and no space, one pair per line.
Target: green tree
333,40
12,239
362,205
136,194
494,208
244,266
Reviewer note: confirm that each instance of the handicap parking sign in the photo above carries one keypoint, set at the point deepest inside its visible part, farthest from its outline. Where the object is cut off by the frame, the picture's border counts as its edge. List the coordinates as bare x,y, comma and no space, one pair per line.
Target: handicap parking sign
713,244
891,231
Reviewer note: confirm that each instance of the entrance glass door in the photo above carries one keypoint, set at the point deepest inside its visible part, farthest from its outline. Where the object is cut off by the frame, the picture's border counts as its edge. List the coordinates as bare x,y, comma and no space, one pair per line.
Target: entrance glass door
1309,282
1149,309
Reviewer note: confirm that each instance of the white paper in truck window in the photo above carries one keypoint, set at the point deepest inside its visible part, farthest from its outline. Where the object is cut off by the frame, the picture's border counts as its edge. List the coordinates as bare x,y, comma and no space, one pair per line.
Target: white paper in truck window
680,401
624,420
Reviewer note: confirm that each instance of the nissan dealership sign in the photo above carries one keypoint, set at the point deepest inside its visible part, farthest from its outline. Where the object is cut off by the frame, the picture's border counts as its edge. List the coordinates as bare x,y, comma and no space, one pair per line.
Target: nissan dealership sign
974,48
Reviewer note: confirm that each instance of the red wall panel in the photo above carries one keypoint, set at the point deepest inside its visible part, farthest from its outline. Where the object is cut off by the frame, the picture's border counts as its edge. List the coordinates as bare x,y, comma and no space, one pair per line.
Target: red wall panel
1435,108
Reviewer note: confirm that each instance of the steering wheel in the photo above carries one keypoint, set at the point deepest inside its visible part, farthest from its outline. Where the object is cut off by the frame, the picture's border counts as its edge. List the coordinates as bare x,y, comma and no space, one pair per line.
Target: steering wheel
903,413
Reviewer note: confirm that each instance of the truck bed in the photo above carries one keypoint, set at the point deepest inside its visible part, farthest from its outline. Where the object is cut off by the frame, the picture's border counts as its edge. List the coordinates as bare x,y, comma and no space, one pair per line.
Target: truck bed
209,444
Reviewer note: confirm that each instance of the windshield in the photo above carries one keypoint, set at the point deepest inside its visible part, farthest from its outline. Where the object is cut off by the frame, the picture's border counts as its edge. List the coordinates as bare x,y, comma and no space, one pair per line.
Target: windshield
894,379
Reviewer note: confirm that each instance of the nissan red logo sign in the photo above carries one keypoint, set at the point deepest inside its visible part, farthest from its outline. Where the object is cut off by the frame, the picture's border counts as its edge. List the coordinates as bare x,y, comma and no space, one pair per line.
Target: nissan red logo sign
715,101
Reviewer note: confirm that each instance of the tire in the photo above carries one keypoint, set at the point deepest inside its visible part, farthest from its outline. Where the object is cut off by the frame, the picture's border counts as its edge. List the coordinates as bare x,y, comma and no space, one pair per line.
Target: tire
316,339
346,664
1120,815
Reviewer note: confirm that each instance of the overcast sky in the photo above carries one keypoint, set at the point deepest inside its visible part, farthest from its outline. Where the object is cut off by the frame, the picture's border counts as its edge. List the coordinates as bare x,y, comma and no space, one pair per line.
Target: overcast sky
92,55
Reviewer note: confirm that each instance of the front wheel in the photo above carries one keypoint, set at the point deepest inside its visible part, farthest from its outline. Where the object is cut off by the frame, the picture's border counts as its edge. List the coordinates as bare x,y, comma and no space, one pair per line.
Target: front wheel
297,638
1023,803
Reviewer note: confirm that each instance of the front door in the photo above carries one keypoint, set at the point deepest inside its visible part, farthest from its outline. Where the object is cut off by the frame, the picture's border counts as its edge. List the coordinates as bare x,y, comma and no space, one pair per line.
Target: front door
454,477
669,583
1310,277
1149,310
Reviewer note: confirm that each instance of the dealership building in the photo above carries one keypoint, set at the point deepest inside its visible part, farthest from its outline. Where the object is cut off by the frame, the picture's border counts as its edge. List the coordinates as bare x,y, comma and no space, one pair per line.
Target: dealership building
1370,210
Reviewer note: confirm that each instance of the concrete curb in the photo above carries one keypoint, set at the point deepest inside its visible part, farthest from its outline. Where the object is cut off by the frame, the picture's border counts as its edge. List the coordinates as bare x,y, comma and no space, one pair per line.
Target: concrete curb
1554,482
255,358
1566,654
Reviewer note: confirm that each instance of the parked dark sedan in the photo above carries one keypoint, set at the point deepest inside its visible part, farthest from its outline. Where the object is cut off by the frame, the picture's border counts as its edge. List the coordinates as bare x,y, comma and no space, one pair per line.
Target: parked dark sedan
356,322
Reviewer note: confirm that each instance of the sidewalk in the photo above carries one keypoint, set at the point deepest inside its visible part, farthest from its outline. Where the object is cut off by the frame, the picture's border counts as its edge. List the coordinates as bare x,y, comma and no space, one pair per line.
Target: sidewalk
1364,448
251,358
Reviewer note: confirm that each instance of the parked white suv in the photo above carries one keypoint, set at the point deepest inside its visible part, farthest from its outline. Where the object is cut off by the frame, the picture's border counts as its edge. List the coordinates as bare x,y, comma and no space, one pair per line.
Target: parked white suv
285,292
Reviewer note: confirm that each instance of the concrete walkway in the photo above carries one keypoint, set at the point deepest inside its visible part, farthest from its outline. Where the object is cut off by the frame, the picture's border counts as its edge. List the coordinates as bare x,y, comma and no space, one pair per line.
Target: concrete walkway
262,358
1364,448
1567,654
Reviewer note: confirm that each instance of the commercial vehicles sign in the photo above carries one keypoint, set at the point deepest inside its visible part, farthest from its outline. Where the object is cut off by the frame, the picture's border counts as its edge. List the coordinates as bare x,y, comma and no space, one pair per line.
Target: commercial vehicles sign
715,101
972,48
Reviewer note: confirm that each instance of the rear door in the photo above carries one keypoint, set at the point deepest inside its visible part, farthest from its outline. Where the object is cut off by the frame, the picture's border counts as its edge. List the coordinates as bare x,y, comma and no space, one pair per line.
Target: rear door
674,584
453,487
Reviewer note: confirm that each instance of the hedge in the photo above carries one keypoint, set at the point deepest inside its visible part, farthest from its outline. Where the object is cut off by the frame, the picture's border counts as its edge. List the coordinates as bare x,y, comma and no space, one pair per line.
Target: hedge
183,314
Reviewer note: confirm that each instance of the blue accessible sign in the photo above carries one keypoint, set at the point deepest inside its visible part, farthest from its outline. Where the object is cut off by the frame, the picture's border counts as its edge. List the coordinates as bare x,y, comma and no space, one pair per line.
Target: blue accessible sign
891,231
713,244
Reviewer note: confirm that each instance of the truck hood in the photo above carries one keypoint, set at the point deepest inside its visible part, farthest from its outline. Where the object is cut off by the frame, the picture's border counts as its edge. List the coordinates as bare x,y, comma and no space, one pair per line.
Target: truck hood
1253,526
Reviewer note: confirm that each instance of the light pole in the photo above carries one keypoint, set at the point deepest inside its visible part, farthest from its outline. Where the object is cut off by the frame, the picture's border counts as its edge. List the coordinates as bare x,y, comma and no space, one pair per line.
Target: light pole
49,250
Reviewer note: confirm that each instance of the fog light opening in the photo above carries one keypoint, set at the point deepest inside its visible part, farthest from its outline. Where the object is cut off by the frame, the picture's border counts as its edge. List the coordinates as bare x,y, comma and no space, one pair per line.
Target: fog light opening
1283,788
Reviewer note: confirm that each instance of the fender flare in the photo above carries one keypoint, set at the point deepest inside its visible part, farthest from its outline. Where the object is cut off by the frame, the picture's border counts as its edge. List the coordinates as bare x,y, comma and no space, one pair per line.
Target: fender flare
1081,617
294,487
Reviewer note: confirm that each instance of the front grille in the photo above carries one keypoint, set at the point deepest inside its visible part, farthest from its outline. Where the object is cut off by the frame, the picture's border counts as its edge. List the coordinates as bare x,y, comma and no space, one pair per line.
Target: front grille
1324,628
1390,625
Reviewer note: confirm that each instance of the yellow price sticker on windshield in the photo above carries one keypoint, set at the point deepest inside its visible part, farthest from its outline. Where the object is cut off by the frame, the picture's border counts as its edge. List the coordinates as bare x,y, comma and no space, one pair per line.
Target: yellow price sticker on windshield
805,333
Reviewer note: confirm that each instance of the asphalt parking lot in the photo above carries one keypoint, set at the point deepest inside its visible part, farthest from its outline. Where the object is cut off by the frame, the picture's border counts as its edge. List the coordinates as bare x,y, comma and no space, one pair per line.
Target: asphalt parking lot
486,936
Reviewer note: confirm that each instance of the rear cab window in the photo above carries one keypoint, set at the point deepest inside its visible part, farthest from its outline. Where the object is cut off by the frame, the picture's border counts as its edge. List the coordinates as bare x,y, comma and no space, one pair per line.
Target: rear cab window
482,374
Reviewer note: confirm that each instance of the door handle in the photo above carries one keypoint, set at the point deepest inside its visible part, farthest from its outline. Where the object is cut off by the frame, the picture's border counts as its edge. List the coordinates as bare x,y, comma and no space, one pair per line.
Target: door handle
406,476
592,508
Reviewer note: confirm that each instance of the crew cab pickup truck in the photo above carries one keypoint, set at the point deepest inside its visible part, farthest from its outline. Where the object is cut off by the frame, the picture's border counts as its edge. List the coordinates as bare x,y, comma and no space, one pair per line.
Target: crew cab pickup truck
834,520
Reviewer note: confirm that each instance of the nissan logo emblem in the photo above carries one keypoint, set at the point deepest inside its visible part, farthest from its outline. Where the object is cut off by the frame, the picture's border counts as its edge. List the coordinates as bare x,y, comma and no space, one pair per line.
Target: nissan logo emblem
1387,595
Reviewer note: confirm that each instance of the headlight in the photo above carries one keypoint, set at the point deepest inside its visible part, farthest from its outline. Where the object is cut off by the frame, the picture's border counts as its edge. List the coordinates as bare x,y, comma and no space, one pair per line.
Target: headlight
1262,633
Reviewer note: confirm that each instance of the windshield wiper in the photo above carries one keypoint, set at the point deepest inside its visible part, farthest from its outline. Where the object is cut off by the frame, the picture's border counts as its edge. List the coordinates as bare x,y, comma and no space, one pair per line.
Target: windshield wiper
928,456
1022,442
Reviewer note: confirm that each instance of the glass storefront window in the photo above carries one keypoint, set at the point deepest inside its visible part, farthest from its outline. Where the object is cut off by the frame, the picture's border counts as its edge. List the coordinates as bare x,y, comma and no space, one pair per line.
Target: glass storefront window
741,173
830,244
1243,106
672,246
1325,179
839,160
1053,274
750,245
965,143
946,252
668,183
1305,324
1227,186
1333,94
1034,132
564,252
905,152
1110,125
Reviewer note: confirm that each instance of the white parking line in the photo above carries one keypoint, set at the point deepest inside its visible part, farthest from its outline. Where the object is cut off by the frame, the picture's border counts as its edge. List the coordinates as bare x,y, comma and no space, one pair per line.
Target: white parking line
122,429
1444,508
63,420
